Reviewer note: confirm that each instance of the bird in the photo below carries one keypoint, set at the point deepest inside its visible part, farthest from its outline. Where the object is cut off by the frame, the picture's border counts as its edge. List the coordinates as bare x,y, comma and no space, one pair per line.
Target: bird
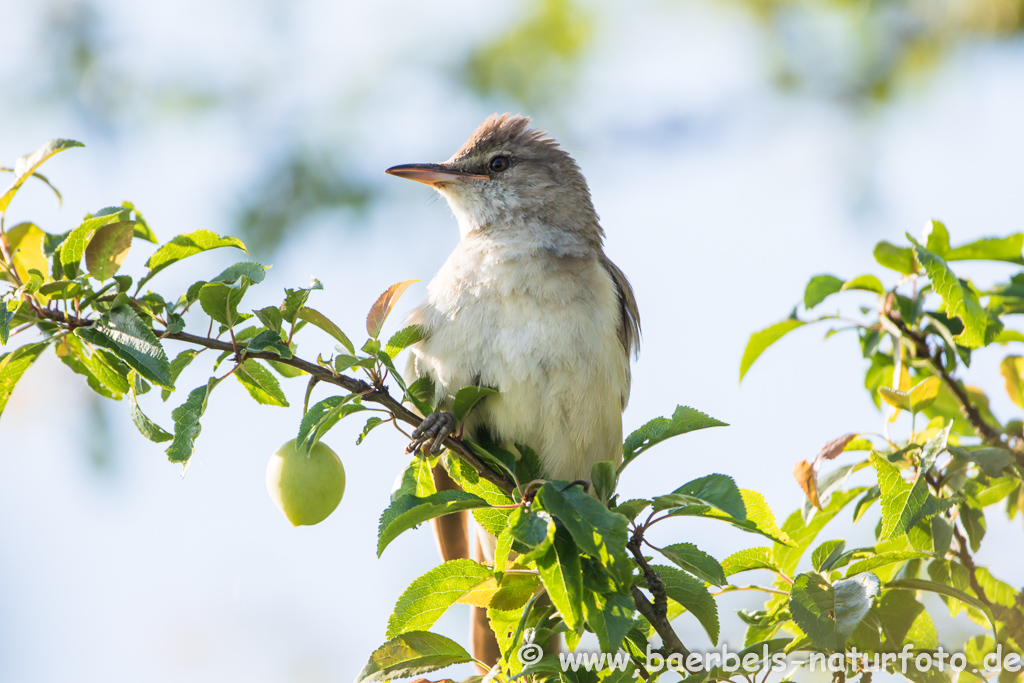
527,304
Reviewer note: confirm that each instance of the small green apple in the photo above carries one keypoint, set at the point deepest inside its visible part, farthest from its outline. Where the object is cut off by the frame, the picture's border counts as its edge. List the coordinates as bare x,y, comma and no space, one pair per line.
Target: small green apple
307,487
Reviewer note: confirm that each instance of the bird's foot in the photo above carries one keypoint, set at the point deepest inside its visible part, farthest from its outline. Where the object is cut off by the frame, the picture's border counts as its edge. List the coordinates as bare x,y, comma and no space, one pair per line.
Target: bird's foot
435,428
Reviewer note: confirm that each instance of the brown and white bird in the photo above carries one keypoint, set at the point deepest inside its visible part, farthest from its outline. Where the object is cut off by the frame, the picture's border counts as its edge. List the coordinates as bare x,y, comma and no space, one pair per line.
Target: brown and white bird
528,304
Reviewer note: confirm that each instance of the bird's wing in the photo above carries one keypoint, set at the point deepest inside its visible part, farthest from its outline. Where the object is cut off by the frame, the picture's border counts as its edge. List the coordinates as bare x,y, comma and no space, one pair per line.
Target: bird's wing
629,324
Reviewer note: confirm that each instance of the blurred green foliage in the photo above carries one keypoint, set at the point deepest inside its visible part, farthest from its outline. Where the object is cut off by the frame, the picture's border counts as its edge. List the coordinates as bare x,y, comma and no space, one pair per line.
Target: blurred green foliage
861,51
304,184
855,53
534,59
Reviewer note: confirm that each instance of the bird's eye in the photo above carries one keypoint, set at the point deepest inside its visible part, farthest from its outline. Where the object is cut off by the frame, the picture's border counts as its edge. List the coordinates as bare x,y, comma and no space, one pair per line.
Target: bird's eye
500,163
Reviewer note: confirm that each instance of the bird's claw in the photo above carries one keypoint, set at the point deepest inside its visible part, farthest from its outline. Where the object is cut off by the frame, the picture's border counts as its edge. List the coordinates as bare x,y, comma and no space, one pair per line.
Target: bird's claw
435,428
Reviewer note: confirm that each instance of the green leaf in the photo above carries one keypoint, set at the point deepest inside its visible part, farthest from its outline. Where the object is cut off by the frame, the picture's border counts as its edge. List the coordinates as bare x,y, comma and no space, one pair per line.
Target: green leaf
748,560
179,363
820,288
802,533
937,238
493,520
812,602
271,318
220,301
759,341
691,594
295,299
269,341
140,228
760,519
99,371
466,399
715,490
509,591
260,383
253,270
935,446
186,422
867,283
894,397
124,333
1012,370
72,249
602,477
562,576
610,616
429,596
382,307
371,423
631,508
901,501
827,553
412,653
6,316
61,289
13,365
27,165
696,561
683,420
973,520
942,535
942,589
190,244
317,318
897,611
321,416
597,531
957,299
883,560
108,249
991,460
854,598
405,337
26,246
990,249
406,512
147,427
533,530
900,259
924,394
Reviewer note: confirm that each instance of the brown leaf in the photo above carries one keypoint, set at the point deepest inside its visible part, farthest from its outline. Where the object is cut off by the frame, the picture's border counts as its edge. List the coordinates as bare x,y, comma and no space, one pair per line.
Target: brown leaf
382,307
807,473
807,476
832,449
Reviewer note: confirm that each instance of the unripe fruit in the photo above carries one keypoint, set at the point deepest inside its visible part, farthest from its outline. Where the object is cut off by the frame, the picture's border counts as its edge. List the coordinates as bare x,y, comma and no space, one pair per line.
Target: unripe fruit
307,488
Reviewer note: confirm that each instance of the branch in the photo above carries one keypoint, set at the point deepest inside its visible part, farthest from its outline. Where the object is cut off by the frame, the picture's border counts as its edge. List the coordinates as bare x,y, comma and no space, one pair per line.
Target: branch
987,432
655,613
967,561
367,391
660,623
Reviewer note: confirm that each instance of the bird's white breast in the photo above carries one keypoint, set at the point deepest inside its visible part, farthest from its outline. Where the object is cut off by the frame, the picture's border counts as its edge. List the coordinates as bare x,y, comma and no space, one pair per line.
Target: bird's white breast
541,329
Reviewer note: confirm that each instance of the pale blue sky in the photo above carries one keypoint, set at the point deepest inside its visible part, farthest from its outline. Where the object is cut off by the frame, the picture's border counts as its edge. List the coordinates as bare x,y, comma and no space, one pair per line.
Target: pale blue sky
720,197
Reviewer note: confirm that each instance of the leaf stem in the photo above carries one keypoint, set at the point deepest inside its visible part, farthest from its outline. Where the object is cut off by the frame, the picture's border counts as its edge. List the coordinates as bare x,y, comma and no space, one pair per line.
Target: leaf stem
309,390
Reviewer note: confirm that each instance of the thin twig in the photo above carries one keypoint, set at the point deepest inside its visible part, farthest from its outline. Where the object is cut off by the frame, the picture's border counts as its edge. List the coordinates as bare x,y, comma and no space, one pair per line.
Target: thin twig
350,384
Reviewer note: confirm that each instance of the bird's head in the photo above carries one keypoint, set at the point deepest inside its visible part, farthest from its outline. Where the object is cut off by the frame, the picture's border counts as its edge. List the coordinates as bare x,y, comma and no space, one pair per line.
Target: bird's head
513,181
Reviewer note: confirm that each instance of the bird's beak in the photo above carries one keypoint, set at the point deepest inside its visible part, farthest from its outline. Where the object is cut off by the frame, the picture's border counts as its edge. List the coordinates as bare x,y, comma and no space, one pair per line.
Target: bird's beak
431,174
